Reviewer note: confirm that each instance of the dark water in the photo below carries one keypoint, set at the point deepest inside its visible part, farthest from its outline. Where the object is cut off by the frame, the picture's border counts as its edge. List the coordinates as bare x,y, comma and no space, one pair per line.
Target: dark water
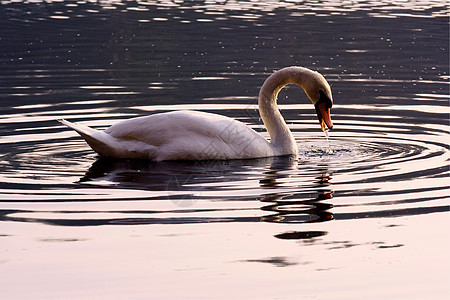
363,216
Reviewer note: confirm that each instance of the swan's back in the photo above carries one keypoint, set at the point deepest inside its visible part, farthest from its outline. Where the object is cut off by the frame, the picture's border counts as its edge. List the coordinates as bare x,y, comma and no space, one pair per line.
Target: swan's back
191,135
161,128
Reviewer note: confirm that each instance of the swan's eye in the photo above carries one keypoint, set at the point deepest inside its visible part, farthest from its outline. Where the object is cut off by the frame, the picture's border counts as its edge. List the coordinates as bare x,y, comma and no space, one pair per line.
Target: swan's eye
324,98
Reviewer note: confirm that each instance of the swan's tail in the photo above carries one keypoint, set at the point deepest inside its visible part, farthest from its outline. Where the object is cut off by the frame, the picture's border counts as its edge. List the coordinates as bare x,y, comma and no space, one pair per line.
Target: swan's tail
102,143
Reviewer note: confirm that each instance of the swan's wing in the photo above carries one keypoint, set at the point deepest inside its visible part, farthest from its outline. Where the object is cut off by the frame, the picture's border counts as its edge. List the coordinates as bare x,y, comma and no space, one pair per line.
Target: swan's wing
193,135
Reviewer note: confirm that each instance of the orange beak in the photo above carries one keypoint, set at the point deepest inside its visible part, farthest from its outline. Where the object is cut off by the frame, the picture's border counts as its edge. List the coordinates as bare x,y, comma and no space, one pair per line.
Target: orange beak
323,113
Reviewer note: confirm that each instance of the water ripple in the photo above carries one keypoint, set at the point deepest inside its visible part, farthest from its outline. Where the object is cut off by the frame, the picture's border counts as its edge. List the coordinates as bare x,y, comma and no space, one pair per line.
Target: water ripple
244,10
371,167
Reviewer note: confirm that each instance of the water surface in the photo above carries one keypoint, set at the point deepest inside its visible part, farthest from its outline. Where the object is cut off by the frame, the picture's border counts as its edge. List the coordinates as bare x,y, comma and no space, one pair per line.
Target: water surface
364,215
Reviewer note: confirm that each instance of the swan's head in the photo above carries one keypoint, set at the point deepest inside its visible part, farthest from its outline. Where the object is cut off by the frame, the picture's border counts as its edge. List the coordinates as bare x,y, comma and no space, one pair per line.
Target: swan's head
319,92
313,83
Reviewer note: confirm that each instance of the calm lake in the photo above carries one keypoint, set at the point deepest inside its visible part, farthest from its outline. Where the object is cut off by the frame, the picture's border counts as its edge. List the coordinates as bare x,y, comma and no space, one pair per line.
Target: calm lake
362,215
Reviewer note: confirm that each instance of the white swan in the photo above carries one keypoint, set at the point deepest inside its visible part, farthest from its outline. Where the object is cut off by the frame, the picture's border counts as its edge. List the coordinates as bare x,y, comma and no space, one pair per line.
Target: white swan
191,135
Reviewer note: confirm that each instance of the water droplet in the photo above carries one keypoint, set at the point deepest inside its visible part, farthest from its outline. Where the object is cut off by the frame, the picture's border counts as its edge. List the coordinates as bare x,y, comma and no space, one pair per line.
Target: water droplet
328,151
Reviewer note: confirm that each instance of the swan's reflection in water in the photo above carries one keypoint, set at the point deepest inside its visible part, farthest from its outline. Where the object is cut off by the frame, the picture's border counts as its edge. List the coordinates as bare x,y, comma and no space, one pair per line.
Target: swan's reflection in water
298,211
185,183
303,205
298,207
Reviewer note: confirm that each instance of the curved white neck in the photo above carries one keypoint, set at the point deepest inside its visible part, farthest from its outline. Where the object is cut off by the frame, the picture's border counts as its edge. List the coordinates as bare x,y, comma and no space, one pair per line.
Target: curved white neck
281,137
